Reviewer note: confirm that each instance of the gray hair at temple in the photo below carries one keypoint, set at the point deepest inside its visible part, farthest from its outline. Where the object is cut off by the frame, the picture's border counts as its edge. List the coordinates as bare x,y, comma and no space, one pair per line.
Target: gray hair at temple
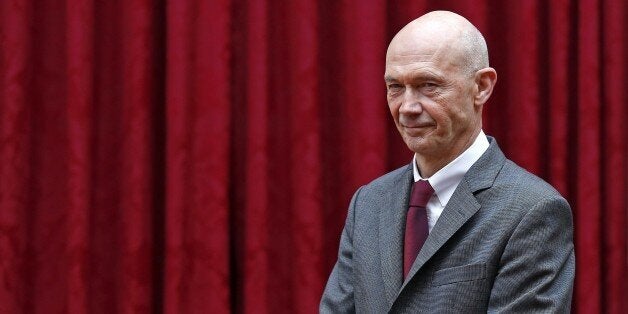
473,42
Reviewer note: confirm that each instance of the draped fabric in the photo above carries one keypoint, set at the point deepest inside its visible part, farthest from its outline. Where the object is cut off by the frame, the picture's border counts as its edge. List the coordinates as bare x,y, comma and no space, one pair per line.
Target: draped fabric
199,156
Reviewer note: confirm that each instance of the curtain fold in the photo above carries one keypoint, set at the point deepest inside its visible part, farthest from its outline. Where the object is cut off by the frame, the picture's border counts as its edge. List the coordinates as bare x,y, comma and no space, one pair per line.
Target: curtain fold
253,33
614,167
588,143
199,156
198,117
79,107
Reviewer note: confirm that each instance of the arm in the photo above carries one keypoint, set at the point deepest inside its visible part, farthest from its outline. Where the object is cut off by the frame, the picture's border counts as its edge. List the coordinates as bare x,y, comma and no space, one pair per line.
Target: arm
537,268
338,295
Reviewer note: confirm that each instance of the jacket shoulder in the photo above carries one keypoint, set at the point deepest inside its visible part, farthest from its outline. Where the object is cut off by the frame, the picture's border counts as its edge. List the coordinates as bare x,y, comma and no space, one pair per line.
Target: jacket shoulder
391,178
517,177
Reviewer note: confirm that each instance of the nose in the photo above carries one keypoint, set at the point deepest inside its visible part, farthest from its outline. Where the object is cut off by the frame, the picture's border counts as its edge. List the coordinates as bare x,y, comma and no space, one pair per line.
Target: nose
410,102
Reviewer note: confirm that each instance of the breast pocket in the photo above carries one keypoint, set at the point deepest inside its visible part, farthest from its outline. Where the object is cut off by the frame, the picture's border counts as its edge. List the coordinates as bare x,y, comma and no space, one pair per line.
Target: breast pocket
459,274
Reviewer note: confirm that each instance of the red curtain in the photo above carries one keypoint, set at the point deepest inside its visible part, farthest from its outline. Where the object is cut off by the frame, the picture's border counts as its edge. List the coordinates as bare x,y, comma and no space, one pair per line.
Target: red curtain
199,156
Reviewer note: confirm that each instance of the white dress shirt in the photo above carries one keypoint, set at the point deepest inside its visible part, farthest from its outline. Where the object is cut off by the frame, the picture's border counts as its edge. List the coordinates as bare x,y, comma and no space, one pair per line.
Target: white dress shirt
446,180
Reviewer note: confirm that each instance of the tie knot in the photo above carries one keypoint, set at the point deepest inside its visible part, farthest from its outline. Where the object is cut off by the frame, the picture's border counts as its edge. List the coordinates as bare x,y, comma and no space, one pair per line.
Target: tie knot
421,193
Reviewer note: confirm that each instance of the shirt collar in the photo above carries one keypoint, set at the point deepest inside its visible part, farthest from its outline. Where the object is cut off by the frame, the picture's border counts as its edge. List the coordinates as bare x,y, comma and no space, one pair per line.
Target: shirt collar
446,180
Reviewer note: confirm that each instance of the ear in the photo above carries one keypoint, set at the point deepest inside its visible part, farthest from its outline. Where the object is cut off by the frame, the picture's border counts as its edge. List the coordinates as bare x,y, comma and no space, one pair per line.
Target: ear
485,80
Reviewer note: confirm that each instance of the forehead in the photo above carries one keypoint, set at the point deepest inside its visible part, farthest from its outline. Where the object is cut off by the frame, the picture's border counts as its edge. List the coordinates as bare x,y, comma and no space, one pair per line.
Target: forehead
430,63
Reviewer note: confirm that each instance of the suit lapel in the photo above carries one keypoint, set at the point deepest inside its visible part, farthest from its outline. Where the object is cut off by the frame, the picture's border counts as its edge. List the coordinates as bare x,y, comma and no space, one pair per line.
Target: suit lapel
460,208
392,218
462,205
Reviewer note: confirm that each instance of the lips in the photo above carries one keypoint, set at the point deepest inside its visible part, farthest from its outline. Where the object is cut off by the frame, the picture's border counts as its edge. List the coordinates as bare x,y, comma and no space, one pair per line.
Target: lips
418,130
418,126
416,123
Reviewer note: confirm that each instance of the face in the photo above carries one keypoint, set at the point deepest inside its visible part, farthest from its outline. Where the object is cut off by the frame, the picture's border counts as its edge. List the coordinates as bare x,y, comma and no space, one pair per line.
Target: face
431,98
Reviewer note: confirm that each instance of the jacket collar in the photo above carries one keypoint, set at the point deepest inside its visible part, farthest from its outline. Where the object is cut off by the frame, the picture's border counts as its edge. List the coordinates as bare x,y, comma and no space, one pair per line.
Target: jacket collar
461,207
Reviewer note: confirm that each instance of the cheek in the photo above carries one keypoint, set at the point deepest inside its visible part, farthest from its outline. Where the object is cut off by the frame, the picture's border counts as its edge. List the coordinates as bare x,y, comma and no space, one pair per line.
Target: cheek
453,112
394,110
439,112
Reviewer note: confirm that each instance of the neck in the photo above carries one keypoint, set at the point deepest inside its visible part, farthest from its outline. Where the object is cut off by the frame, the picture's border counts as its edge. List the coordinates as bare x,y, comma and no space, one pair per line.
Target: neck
429,165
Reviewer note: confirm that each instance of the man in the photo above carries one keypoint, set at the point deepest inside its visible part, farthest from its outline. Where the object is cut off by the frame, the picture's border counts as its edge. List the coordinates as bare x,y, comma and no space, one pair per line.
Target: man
484,235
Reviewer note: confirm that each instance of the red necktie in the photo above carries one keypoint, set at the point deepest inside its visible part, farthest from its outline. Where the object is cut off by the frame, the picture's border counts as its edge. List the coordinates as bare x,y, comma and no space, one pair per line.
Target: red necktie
417,229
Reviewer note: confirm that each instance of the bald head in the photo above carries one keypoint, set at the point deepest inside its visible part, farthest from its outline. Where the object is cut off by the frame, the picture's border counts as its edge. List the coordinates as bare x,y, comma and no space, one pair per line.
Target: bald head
443,32
437,81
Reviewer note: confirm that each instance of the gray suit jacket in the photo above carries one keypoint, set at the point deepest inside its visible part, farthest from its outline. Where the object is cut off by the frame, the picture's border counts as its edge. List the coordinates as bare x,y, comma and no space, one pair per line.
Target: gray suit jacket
502,244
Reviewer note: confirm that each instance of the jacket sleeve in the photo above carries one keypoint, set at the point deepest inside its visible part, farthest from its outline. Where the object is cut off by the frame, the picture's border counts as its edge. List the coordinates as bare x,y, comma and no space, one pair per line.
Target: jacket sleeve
537,267
338,295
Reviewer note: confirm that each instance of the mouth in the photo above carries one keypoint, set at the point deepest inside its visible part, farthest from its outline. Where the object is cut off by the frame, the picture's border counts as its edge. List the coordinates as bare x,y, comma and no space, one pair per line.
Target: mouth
418,129
418,126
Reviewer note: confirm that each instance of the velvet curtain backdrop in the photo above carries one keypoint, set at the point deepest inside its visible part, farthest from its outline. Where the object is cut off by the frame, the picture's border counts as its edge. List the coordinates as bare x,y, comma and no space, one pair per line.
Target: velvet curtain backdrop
199,156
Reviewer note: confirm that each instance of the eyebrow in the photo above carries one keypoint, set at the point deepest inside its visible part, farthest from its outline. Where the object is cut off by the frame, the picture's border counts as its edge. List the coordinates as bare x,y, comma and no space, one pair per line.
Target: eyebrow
422,76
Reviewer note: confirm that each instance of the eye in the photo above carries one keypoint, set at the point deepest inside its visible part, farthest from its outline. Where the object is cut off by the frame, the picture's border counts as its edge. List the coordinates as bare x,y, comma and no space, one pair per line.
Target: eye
394,87
428,87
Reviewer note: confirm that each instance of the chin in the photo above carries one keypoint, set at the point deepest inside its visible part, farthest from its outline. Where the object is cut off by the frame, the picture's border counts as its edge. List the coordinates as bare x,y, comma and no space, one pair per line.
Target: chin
418,145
